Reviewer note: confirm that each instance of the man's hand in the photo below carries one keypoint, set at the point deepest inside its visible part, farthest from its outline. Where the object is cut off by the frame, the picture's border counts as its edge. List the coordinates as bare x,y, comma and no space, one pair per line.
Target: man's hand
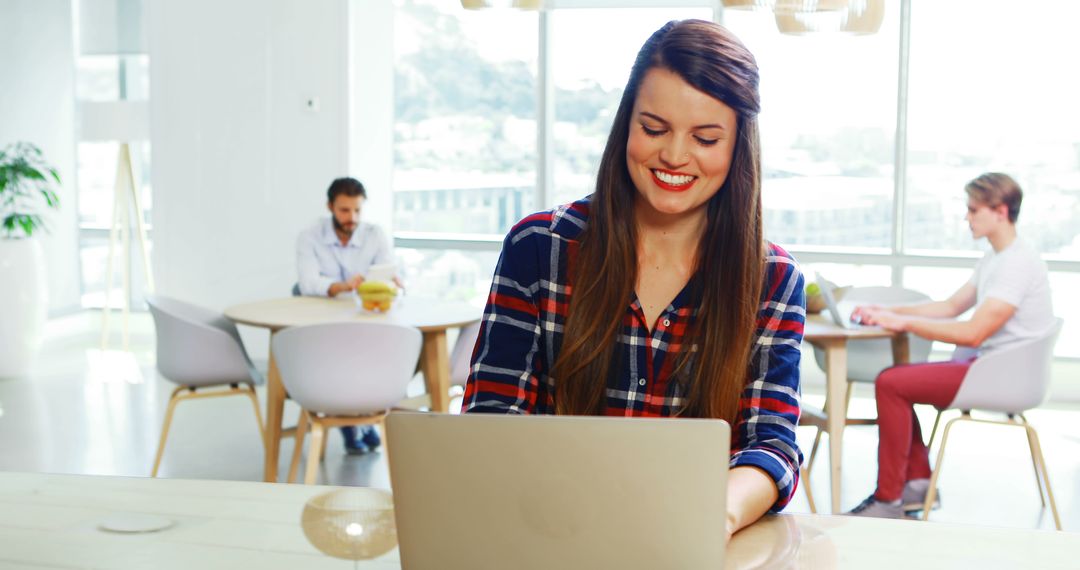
863,313
886,320
355,281
343,286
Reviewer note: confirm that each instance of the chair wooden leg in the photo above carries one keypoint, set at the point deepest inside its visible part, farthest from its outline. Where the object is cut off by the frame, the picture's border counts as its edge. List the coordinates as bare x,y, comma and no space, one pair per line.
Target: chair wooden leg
814,450
318,432
298,445
933,432
258,415
847,398
1034,462
931,493
805,476
322,450
1033,438
385,441
173,400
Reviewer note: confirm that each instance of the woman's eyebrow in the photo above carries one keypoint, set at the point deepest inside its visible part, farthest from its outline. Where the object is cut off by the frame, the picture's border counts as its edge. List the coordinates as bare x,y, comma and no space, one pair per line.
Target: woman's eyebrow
662,120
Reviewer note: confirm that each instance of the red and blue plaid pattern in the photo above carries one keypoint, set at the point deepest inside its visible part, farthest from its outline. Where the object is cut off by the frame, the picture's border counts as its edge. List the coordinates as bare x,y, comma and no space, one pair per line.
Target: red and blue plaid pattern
523,326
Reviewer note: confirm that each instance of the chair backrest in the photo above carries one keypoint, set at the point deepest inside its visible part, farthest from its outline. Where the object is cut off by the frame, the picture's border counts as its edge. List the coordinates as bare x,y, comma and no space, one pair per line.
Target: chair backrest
868,357
197,346
347,369
1011,379
461,356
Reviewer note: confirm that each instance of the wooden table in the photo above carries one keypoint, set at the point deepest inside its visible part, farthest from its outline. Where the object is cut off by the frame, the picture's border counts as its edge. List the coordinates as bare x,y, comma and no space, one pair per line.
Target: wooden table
51,521
431,316
832,339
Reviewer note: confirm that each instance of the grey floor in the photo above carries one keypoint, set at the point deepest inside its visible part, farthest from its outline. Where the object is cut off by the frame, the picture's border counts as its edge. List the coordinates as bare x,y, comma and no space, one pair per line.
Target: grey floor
88,411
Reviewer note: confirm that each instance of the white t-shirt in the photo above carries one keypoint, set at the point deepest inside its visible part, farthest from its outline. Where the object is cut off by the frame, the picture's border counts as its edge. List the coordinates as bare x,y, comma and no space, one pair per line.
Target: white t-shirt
1017,276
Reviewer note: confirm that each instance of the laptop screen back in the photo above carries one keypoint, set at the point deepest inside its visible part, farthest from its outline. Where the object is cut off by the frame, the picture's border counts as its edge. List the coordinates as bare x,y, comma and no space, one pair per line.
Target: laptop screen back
830,301
489,491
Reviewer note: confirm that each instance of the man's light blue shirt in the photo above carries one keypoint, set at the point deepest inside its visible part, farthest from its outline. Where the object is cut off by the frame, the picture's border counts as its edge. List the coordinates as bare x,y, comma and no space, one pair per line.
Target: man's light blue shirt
321,260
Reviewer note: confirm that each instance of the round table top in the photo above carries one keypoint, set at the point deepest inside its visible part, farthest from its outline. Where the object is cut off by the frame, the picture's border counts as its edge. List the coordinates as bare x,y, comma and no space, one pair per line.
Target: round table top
426,314
820,327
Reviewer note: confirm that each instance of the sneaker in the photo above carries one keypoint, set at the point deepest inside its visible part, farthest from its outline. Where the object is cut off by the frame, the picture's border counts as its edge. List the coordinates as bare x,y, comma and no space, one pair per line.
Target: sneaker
370,437
353,446
914,496
872,507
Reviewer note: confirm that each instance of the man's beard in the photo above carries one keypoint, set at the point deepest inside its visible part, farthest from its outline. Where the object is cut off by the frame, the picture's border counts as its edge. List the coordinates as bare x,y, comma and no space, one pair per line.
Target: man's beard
341,228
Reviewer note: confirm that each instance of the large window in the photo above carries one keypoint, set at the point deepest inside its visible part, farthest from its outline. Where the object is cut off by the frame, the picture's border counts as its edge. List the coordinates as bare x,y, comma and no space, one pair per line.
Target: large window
1002,98
465,117
828,123
965,86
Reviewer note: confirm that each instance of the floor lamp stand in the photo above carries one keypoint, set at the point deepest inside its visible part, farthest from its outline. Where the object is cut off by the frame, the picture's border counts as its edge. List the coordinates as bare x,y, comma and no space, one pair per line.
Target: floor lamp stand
125,201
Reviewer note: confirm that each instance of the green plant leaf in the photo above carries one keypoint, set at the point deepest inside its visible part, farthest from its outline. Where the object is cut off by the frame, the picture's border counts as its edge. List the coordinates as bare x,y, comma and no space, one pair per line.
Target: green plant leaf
24,180
50,198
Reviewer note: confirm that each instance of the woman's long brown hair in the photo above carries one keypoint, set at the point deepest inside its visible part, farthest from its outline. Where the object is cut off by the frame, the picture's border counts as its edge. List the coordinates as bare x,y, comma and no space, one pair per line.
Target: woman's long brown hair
730,258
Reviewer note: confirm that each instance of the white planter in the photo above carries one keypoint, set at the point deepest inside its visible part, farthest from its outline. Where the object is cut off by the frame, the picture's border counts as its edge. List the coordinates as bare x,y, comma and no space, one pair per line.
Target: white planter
23,304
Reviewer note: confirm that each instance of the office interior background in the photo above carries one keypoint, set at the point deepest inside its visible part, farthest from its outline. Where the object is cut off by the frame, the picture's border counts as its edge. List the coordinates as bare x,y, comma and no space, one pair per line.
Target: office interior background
461,122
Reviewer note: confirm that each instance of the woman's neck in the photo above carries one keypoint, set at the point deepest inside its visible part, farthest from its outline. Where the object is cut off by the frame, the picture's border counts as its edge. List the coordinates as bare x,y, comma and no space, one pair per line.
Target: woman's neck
669,235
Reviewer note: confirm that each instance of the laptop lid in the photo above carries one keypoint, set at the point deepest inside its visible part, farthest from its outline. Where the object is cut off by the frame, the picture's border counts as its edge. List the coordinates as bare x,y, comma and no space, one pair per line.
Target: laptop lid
480,491
830,301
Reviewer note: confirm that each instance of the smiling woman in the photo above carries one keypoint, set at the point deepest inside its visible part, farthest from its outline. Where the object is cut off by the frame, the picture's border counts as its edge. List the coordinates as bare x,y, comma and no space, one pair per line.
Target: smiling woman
657,295
680,151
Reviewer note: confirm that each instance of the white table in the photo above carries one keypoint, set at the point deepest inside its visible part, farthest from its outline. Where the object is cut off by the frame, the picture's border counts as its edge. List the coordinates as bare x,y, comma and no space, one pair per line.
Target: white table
833,339
51,521
431,316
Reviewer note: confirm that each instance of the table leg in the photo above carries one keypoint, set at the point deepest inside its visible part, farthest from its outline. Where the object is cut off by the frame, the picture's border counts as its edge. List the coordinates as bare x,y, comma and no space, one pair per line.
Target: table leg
836,414
275,407
435,364
901,353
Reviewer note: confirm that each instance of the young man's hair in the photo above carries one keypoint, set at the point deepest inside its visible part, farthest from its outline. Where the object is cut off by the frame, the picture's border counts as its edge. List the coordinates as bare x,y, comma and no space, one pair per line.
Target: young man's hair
346,186
995,189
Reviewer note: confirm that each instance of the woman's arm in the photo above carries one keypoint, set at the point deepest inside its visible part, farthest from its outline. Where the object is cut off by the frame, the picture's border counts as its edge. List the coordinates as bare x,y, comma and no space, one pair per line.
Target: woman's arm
751,493
765,456
502,375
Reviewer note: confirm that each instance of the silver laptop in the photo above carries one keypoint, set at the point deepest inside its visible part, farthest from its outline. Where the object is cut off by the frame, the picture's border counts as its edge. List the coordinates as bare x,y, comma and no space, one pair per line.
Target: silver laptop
840,315
483,491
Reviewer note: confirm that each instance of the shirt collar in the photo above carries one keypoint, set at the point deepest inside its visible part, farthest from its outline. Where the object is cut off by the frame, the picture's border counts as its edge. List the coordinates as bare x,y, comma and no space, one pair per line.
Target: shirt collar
329,236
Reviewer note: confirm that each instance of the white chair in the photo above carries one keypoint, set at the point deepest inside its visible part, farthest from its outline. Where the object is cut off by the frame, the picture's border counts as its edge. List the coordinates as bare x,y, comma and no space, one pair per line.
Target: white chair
200,350
866,358
343,374
1009,381
461,356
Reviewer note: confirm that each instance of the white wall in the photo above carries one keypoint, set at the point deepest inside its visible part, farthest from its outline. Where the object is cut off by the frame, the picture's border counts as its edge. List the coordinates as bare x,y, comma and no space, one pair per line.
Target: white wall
241,164
371,137
37,104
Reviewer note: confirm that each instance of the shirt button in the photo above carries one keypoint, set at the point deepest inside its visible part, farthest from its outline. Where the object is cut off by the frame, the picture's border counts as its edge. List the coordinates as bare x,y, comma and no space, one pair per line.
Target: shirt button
667,322
641,382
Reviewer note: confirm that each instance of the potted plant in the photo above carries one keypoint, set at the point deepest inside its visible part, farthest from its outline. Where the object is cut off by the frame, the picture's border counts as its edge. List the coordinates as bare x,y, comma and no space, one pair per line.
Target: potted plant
26,187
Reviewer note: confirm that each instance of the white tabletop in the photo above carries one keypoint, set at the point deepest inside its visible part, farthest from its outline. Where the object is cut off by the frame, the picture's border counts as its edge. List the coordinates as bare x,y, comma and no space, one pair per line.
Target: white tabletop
52,521
423,313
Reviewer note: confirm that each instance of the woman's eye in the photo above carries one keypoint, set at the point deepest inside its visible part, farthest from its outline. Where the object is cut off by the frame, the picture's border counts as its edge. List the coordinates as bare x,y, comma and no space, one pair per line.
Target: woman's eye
706,142
652,132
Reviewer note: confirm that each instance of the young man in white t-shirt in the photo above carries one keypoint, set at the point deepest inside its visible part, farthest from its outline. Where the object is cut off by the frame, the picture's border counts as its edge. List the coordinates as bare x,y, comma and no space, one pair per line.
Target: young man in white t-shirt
1011,295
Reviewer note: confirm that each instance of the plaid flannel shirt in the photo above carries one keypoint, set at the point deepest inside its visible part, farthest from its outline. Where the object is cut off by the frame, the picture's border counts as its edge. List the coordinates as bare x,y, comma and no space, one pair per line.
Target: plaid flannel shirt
523,326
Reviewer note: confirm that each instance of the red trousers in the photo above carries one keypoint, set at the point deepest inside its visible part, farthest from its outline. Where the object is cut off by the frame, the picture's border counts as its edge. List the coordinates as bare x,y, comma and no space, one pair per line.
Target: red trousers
902,455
